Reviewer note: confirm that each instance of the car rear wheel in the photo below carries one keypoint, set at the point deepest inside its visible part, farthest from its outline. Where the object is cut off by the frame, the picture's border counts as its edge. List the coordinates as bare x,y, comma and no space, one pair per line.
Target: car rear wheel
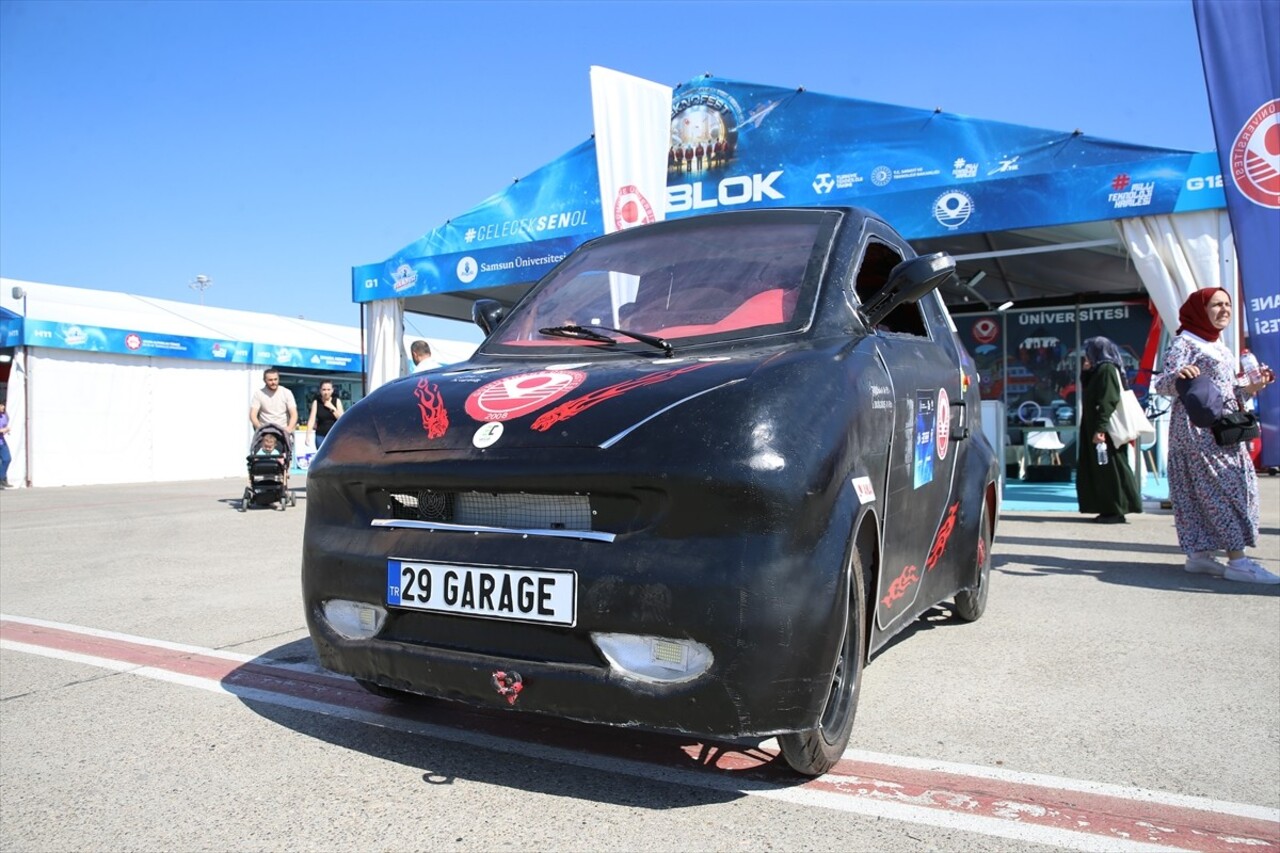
815,751
970,603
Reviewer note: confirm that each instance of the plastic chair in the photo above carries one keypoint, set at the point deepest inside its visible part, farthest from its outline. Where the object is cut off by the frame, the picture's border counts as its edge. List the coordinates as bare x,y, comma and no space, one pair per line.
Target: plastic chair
1046,441
1149,459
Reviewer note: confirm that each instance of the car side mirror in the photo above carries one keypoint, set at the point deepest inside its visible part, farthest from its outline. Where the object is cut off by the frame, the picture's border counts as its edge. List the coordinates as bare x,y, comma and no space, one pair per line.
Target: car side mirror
487,314
908,282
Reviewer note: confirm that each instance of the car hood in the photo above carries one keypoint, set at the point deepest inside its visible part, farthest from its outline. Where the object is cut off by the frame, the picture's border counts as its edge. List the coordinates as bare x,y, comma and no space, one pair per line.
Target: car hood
571,404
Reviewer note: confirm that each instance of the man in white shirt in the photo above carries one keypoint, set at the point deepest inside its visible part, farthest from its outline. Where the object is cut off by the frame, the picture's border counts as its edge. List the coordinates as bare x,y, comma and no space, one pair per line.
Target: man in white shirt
273,404
420,352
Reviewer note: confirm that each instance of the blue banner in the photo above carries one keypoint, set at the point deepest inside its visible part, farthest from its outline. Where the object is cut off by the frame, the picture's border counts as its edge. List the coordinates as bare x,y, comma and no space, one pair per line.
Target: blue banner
928,172
514,236
10,328
1240,48
77,336
739,145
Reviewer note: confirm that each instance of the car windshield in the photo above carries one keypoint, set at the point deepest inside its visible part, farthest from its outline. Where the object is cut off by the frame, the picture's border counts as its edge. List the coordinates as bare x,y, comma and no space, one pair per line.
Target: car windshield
660,287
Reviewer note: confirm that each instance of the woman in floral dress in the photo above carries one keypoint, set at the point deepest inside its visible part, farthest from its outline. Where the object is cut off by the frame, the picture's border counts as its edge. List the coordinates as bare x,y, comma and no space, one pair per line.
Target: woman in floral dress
1214,489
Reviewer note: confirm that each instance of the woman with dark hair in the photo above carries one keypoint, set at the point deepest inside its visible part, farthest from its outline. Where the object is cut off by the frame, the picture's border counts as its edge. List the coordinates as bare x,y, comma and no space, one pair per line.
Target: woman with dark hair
325,411
1214,489
1104,481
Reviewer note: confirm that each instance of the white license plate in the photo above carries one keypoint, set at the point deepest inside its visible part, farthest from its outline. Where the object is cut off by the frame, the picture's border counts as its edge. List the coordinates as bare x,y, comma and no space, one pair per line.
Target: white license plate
522,595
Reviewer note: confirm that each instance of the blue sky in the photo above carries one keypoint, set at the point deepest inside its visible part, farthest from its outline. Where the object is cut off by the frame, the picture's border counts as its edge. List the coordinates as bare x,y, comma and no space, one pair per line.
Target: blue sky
274,145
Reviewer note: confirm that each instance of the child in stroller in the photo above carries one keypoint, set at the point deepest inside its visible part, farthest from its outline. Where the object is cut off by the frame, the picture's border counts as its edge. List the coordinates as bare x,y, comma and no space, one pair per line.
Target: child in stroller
268,462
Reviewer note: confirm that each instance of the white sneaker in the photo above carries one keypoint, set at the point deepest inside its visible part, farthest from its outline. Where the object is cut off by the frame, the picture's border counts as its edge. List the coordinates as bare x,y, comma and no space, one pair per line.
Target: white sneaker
1205,564
1246,570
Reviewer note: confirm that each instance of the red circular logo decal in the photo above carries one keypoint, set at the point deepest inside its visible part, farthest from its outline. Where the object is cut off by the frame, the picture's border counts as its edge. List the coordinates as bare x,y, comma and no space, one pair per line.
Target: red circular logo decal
942,423
521,394
132,341
631,208
985,330
1255,156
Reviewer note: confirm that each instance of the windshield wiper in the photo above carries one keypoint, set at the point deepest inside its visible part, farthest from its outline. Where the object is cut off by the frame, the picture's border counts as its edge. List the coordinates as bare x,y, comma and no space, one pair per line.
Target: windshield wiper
580,333
590,333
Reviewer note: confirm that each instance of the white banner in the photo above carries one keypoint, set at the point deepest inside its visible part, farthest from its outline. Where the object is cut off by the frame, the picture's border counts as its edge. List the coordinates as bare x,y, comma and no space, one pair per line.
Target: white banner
633,135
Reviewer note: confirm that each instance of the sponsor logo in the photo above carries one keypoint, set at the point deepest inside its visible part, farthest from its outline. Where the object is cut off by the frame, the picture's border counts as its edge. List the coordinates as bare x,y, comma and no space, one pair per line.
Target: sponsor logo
710,118
1125,193
631,208
985,330
943,427
1009,164
1255,156
488,434
823,183
518,395
523,227
881,176
864,490
743,189
132,341
467,269
962,169
74,336
404,277
952,209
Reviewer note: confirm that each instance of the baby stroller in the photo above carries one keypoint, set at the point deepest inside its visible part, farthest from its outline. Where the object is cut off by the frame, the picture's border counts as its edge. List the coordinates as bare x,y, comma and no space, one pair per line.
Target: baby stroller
269,475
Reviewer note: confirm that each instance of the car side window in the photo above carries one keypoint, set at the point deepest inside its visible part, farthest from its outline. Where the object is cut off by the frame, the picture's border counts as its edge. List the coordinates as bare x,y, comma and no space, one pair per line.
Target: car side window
878,261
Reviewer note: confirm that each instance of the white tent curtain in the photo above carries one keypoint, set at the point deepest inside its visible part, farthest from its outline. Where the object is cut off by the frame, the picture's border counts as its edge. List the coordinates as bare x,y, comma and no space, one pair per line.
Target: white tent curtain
385,329
1179,253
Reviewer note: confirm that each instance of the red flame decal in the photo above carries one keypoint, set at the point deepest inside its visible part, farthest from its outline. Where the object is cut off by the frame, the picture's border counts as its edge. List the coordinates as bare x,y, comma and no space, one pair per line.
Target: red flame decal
578,405
944,536
903,582
435,418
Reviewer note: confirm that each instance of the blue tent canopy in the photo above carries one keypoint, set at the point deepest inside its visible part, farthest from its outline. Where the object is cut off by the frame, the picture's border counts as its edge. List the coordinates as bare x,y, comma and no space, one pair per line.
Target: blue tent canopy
10,328
945,181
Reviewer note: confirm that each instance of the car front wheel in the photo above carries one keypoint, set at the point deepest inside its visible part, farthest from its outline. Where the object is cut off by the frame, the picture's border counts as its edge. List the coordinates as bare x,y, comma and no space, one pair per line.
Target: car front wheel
815,751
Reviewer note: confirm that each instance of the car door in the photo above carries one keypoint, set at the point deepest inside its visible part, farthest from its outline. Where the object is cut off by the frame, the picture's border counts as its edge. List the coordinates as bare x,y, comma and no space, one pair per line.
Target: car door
925,379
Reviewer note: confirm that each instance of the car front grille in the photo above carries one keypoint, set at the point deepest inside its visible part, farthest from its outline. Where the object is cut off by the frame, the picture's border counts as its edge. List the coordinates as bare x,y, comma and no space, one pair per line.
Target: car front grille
486,509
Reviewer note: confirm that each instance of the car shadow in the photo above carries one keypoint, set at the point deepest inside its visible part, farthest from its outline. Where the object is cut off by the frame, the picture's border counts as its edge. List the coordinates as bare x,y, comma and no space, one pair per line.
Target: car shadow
938,616
448,742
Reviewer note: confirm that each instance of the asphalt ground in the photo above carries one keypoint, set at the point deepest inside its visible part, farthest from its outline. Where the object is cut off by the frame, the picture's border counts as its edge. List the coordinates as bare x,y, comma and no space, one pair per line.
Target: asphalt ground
1099,662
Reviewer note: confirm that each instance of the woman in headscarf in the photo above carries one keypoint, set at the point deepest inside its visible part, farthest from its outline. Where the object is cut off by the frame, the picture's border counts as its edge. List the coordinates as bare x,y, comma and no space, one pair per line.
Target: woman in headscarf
1214,490
1107,488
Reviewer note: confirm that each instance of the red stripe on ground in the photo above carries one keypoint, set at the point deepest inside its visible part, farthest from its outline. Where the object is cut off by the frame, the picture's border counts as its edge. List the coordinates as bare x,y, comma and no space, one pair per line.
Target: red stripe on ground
1022,803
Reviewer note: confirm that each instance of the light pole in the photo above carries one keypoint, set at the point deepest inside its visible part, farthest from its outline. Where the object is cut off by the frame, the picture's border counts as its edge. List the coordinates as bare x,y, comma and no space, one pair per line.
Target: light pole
201,284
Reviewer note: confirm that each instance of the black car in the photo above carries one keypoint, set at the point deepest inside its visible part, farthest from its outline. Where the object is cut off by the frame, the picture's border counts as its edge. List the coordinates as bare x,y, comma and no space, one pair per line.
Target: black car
690,483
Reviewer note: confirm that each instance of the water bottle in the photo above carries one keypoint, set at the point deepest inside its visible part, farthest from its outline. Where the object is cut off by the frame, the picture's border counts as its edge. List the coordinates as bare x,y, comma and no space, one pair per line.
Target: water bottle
1250,368
1102,452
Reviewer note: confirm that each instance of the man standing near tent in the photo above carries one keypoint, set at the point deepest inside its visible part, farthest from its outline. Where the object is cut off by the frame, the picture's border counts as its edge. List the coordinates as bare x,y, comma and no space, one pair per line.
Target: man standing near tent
420,351
273,404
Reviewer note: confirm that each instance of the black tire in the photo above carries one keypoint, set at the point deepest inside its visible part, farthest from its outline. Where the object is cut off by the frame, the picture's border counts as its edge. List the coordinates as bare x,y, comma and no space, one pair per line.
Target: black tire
815,751
246,500
388,692
972,603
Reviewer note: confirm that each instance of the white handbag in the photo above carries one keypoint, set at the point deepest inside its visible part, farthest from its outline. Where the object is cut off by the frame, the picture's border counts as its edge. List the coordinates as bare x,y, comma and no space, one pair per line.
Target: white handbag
1129,422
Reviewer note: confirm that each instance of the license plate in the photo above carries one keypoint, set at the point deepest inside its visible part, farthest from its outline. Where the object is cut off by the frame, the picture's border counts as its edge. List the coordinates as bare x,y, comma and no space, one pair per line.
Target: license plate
521,595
